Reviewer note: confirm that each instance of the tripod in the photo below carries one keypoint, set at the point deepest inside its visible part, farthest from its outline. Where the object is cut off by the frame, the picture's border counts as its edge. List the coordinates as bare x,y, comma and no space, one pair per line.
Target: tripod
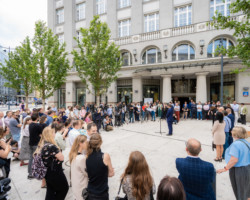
160,128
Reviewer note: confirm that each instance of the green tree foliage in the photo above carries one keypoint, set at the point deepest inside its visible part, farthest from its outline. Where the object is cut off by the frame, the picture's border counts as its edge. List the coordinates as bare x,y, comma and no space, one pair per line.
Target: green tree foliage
241,31
97,61
51,61
19,69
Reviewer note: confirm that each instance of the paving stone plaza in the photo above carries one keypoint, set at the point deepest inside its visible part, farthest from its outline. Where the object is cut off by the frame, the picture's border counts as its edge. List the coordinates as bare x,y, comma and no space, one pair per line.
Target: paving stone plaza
159,150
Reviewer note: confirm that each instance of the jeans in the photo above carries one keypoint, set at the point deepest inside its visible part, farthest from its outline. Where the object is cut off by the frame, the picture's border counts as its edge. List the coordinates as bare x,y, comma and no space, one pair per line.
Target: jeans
199,115
32,150
123,117
170,127
153,115
226,145
131,117
142,114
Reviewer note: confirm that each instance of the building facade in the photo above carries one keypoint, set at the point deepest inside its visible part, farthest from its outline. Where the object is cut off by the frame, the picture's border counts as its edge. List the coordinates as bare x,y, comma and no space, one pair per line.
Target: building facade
10,94
167,48
6,94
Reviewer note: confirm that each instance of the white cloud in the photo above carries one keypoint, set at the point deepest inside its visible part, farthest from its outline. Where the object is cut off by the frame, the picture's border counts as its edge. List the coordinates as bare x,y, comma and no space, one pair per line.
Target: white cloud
17,19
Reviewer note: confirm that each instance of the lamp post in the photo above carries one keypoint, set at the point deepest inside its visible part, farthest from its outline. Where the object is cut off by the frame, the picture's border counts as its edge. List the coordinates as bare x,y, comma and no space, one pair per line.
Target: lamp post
221,74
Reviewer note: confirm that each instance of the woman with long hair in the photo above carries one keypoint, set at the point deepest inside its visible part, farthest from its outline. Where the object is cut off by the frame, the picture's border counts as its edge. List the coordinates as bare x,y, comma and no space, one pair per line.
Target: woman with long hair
99,168
219,136
77,159
57,185
25,148
87,117
137,182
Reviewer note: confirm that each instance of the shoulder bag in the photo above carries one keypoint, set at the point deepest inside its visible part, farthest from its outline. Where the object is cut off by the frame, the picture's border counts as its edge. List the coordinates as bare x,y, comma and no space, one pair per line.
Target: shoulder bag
118,197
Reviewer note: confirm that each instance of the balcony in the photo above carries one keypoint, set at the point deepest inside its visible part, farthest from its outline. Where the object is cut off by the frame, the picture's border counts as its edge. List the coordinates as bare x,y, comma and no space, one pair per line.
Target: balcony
171,32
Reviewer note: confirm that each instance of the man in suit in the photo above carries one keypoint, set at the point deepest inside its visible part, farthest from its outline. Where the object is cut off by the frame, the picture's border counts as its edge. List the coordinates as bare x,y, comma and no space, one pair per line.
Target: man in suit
170,119
196,175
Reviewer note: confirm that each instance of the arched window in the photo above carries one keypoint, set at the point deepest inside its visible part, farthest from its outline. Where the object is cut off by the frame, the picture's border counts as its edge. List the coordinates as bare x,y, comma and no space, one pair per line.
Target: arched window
215,43
126,58
221,6
152,55
183,52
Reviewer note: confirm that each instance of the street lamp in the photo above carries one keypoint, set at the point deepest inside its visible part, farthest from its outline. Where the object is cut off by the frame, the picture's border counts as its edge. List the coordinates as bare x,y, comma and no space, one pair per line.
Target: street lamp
221,72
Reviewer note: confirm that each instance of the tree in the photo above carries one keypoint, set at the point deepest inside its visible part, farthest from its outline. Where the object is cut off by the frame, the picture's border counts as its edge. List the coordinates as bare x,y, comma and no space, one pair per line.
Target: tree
97,60
19,69
241,31
51,61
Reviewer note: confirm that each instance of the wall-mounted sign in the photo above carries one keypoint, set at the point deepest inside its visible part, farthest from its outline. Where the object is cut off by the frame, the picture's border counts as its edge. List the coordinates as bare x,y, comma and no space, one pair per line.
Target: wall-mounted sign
245,94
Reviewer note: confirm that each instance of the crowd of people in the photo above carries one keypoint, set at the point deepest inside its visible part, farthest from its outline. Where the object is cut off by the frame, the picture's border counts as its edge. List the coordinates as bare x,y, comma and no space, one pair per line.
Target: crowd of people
39,137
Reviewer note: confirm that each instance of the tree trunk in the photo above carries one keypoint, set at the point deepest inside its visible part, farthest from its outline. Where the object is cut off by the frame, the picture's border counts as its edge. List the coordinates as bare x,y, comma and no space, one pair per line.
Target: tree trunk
43,99
26,100
98,98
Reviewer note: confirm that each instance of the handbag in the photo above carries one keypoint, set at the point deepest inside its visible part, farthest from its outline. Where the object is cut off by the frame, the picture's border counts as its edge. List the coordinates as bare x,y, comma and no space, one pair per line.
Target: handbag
85,194
118,197
213,146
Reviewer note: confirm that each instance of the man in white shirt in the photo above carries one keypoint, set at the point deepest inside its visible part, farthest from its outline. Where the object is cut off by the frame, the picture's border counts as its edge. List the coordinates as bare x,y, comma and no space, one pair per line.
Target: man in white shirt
235,107
74,132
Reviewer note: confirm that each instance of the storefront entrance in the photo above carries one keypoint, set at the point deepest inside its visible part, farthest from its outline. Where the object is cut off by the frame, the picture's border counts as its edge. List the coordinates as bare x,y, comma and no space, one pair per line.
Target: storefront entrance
124,94
151,91
61,97
80,96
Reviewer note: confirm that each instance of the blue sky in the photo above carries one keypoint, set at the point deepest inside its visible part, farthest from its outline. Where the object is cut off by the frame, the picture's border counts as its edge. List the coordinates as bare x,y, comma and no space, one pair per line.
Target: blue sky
17,20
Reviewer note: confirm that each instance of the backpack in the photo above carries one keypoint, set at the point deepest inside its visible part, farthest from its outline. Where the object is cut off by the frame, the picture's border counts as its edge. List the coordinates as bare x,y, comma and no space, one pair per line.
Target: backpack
38,168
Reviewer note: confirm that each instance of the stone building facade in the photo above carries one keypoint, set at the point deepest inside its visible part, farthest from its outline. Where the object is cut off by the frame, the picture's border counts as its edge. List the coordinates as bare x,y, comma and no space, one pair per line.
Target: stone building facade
167,48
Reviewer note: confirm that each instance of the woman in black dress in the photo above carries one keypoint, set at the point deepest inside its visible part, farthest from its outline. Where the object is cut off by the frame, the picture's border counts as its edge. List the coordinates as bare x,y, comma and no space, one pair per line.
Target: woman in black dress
99,168
57,185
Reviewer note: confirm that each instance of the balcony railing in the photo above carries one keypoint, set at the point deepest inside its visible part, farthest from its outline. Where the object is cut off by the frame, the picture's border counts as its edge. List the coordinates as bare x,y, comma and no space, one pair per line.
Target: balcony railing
171,32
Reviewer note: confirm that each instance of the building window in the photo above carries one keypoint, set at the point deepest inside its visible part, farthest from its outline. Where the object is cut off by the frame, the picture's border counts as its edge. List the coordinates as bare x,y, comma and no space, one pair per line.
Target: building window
183,16
183,52
80,11
124,3
151,22
60,15
214,44
151,56
221,6
124,28
79,35
101,6
126,58
61,39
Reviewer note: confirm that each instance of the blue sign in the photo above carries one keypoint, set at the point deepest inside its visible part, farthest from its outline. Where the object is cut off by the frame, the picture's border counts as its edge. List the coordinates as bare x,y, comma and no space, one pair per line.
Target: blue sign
245,94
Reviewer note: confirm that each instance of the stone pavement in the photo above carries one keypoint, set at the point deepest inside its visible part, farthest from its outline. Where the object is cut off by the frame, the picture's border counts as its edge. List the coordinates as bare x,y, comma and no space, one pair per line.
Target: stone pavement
159,150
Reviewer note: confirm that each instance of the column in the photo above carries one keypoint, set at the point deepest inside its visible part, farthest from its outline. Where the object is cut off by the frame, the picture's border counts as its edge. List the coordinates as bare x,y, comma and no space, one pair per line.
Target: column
201,87
90,94
70,93
53,100
167,90
137,89
112,93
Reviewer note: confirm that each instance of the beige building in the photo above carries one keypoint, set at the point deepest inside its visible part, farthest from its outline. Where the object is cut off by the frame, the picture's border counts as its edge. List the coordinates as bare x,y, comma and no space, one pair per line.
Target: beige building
167,48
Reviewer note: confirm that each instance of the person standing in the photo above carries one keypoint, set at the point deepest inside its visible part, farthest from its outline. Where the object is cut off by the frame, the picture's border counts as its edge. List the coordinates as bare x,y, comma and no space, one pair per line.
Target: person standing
52,157
131,113
2,124
73,133
177,111
35,135
199,111
196,175
25,151
137,181
227,130
77,159
49,118
7,118
232,118
243,113
218,132
206,109
99,168
235,108
15,127
170,119
185,110
238,163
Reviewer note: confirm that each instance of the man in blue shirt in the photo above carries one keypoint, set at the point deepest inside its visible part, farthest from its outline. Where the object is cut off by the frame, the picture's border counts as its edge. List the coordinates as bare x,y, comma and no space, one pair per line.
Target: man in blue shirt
49,118
170,119
232,118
